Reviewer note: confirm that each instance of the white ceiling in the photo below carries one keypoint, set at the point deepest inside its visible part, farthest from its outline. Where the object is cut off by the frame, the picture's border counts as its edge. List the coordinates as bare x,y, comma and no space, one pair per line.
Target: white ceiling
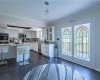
32,12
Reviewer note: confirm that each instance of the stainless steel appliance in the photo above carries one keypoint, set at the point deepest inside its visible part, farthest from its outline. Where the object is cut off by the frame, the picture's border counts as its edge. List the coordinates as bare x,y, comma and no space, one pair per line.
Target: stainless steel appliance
21,35
4,38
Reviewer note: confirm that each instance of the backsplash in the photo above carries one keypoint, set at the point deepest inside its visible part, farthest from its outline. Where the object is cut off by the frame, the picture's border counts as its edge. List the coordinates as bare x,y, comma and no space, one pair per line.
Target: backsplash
13,40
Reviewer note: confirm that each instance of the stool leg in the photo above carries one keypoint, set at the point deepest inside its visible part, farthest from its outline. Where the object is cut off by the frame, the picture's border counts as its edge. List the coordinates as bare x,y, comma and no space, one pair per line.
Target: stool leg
1,58
23,58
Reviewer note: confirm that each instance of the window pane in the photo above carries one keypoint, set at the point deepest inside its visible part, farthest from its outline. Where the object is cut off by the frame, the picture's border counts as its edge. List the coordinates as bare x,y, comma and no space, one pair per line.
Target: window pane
66,41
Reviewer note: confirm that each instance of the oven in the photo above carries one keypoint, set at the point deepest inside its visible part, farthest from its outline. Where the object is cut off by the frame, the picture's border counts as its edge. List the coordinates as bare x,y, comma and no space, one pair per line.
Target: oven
4,38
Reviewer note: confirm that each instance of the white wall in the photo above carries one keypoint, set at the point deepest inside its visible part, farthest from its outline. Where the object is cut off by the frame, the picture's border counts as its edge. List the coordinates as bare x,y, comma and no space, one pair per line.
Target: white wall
81,16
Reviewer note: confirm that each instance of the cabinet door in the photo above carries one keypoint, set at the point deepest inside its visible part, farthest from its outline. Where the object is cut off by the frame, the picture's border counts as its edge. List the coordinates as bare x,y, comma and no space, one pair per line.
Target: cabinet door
42,48
52,33
28,34
31,46
34,46
32,34
44,32
13,33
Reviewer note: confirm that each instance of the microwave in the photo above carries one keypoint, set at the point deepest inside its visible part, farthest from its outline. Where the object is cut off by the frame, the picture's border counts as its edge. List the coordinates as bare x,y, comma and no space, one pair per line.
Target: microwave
22,35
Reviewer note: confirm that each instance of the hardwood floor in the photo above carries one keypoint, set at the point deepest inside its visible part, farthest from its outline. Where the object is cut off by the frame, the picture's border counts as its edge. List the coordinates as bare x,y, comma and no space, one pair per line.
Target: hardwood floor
16,72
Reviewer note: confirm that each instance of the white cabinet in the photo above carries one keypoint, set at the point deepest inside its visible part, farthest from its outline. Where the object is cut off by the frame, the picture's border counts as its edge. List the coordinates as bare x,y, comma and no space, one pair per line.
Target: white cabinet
28,34
44,33
36,34
33,34
31,46
35,46
47,50
13,33
51,34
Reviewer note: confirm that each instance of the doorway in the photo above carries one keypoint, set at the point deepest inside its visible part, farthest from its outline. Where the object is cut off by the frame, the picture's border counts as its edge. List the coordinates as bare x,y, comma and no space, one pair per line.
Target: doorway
77,43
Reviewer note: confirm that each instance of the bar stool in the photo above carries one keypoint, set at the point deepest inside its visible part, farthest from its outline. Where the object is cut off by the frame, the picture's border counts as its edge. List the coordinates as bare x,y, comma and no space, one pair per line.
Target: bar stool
23,50
3,49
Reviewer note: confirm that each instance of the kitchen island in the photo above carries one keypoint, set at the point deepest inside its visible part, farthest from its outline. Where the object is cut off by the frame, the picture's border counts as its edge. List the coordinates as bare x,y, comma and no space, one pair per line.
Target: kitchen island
48,49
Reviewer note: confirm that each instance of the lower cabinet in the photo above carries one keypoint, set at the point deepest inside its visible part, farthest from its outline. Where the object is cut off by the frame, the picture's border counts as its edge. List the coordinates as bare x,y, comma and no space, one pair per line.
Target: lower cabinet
47,49
33,46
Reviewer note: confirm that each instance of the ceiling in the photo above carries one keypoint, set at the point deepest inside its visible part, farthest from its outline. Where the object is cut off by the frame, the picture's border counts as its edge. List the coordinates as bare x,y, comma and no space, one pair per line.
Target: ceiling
31,13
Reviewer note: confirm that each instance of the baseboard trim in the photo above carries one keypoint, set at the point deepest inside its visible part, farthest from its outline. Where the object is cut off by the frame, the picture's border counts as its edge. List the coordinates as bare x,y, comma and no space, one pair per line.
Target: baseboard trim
96,69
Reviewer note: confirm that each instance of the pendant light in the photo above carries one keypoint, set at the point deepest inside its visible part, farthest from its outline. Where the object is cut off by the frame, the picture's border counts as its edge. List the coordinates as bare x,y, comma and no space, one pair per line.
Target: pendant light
47,11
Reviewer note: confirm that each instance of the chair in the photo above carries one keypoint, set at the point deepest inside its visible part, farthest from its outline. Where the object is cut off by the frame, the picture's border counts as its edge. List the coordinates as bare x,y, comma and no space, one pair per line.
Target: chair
22,49
4,48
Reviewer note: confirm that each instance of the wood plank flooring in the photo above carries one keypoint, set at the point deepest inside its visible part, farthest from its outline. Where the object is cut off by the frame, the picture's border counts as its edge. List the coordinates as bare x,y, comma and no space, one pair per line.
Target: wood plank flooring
16,72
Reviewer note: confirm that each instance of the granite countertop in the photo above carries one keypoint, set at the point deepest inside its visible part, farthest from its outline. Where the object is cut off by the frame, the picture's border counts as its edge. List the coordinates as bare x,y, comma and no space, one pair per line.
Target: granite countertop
11,44
4,44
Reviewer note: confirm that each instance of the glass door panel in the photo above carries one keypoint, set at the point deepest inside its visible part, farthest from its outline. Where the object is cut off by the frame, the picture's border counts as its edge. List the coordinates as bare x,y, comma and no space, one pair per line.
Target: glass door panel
82,41
78,43
66,41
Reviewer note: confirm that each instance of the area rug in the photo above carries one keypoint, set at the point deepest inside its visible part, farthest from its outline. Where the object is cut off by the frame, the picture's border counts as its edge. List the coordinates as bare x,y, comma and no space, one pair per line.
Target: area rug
53,72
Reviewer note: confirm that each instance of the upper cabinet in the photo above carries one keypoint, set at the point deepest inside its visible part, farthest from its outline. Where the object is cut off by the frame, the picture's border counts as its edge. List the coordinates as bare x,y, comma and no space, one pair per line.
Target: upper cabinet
44,33
12,33
28,34
32,34
49,33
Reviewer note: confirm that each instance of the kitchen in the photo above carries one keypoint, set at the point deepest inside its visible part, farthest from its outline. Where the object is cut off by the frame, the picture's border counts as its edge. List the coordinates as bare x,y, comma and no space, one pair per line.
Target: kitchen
20,40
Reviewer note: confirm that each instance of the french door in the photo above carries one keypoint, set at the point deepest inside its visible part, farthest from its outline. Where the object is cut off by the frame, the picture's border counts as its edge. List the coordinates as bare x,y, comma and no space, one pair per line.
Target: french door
77,43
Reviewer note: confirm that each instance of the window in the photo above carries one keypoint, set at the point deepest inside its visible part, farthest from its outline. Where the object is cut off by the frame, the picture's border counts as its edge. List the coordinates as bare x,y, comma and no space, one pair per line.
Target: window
81,41
66,41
